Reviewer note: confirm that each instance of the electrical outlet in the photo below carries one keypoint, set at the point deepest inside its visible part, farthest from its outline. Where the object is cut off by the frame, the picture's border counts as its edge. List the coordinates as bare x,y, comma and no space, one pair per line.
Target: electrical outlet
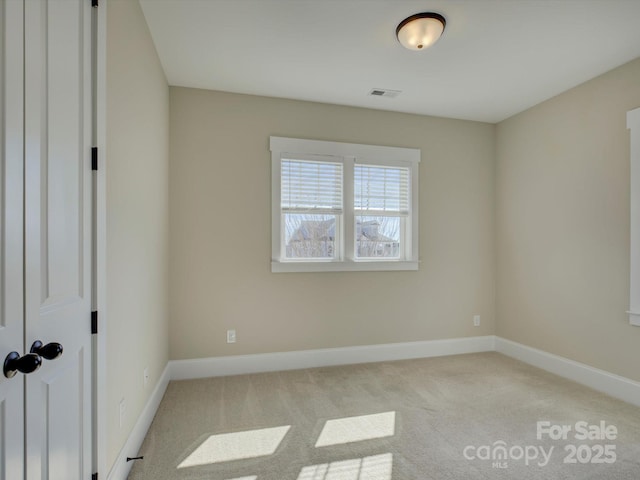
231,336
145,377
123,408
476,320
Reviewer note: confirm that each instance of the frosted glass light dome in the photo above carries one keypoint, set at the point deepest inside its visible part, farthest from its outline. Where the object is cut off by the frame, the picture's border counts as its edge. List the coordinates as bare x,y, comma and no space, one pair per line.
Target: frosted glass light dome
421,30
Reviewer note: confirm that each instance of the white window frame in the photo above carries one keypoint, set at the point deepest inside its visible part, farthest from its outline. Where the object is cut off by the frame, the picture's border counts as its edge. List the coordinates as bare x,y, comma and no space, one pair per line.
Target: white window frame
633,124
349,154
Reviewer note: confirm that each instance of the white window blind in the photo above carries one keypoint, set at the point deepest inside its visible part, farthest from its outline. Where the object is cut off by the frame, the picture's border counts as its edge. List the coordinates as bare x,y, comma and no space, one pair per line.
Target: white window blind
381,190
311,186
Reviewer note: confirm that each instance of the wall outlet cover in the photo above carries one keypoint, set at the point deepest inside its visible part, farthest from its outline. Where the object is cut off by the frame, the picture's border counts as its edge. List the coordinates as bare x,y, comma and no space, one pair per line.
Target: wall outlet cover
231,336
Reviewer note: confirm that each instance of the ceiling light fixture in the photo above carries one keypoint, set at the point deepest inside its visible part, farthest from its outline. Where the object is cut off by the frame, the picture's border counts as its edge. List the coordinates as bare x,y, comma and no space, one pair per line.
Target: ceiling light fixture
421,30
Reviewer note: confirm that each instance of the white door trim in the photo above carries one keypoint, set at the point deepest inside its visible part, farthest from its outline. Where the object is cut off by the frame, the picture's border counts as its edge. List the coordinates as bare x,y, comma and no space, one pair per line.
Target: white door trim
633,125
100,342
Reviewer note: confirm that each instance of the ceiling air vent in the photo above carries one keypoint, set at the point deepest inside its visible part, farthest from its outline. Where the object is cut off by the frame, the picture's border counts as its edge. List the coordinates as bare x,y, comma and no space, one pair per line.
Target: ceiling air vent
382,92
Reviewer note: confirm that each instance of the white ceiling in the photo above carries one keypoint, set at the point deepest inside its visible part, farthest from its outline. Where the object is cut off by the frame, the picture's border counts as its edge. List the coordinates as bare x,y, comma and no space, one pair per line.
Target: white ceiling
495,58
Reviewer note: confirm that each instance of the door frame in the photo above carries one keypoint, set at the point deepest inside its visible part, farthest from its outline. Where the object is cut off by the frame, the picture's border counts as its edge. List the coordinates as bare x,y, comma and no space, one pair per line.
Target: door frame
100,357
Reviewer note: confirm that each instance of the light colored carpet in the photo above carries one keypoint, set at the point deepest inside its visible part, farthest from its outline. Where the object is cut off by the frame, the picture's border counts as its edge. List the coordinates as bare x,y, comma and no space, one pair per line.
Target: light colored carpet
403,420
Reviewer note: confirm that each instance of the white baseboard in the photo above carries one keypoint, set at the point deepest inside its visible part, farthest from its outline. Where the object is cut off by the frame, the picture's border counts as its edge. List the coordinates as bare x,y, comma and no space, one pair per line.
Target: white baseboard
121,467
601,380
609,383
271,362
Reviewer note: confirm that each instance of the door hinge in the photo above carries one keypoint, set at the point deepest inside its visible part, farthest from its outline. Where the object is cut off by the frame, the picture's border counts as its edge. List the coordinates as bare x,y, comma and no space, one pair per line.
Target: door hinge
94,323
94,158
94,3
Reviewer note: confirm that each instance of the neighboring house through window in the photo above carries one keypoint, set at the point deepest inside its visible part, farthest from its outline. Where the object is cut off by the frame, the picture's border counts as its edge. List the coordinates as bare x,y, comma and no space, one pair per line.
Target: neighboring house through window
341,206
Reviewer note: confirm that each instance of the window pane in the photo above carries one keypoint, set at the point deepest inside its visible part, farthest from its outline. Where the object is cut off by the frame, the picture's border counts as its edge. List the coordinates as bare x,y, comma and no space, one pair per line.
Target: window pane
311,186
309,236
379,189
377,237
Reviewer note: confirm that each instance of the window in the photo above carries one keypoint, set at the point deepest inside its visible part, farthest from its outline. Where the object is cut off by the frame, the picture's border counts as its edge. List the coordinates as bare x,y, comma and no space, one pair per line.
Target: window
381,205
341,206
311,208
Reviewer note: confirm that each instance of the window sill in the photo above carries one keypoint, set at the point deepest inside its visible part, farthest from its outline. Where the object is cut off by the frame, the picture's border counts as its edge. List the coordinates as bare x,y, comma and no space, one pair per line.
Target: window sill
634,318
347,266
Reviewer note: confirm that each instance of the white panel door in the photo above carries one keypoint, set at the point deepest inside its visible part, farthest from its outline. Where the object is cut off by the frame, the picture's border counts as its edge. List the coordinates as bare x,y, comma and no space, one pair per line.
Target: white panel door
58,106
11,295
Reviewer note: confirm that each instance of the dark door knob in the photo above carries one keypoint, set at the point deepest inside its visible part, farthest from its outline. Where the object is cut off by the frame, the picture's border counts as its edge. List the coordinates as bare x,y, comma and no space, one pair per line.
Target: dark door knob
50,351
14,363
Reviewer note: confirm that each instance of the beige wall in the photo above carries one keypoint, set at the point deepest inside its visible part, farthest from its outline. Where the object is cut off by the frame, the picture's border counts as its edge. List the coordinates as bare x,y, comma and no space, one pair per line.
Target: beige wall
562,216
137,217
220,217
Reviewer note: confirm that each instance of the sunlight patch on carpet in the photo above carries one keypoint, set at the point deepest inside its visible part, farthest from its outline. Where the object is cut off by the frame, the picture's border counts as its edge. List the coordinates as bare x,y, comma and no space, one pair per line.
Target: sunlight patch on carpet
226,447
376,467
357,429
